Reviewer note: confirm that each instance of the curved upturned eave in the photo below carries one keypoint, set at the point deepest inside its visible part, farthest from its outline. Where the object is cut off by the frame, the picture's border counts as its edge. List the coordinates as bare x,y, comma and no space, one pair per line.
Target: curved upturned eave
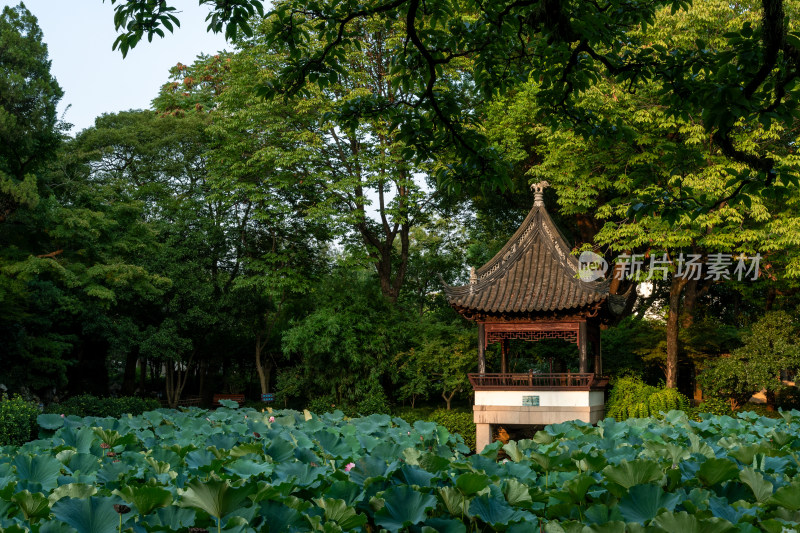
538,276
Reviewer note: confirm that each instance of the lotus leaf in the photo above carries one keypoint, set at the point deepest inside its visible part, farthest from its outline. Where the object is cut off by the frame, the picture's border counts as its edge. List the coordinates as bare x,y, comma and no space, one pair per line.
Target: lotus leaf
403,506
643,503
146,498
89,515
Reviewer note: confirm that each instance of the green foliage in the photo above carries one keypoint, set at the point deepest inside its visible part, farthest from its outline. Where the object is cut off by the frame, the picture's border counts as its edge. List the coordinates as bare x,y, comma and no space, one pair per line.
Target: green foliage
788,398
759,409
632,398
88,405
715,405
371,350
569,48
633,342
768,349
456,421
30,135
29,127
437,366
412,414
17,420
375,401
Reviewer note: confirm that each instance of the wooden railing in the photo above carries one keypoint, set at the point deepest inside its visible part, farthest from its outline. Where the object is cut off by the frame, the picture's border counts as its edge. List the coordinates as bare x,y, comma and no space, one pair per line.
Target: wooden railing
533,381
238,398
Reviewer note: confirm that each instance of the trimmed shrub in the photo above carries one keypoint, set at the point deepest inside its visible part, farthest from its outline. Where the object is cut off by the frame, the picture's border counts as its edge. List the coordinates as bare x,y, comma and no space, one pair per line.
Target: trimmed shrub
375,401
715,405
760,409
88,405
17,420
325,404
457,421
412,414
632,398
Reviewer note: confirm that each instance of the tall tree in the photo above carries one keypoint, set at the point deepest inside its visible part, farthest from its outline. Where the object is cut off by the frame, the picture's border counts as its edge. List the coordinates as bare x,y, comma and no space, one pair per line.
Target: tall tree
609,182
277,250
30,131
358,177
568,45
161,162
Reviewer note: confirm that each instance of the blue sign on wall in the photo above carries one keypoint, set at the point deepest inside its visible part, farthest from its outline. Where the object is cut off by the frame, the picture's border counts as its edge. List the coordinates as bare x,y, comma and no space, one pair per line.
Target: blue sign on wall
269,397
530,401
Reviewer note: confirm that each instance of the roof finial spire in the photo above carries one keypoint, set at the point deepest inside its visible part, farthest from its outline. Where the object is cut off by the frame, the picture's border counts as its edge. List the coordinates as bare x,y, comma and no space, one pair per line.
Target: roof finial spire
538,192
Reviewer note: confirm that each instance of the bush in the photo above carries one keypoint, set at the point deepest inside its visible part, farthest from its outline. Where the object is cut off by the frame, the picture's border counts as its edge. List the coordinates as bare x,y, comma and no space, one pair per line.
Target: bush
412,414
632,398
760,409
715,405
17,420
325,404
375,401
372,401
88,405
457,421
788,398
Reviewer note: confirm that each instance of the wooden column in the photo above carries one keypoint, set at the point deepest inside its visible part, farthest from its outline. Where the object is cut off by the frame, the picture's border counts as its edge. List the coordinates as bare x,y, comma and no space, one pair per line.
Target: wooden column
481,348
583,348
504,360
598,357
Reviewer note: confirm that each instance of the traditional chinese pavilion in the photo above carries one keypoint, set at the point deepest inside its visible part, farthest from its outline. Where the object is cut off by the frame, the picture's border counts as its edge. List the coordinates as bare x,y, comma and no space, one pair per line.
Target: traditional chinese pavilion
531,291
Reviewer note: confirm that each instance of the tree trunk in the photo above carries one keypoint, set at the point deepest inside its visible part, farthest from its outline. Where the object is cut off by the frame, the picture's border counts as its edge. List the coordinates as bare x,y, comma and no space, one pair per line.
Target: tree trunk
587,228
673,328
771,399
771,294
129,377
693,291
264,369
142,375
176,380
449,398
201,386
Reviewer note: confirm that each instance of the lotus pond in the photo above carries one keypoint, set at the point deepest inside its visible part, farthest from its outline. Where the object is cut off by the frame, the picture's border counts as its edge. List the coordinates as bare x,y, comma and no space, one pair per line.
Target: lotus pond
242,470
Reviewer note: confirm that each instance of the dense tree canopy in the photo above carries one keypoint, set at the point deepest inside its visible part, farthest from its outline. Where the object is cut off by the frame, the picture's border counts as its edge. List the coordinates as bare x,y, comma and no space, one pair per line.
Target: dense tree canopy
745,78
278,221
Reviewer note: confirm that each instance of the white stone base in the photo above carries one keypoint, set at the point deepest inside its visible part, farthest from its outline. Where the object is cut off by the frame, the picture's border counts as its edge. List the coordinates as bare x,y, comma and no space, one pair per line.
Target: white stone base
547,398
486,416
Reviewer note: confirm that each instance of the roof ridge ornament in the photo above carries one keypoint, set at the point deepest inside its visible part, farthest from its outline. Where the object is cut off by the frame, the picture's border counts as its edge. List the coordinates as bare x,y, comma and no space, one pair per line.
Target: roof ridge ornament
538,192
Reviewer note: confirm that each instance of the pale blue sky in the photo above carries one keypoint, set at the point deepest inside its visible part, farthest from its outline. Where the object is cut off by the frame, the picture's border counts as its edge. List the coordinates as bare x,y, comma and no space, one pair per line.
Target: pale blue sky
95,79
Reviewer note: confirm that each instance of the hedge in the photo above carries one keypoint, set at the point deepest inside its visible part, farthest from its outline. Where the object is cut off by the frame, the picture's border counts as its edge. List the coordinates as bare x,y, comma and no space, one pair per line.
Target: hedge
88,405
17,420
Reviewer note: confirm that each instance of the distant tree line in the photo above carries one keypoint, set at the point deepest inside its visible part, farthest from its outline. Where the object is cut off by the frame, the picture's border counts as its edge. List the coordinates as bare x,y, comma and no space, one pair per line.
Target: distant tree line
222,241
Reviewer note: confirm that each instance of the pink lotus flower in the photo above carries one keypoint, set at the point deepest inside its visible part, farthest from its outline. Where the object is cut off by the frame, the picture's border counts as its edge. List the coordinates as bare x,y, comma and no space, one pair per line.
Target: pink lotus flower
349,466
272,419
62,415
